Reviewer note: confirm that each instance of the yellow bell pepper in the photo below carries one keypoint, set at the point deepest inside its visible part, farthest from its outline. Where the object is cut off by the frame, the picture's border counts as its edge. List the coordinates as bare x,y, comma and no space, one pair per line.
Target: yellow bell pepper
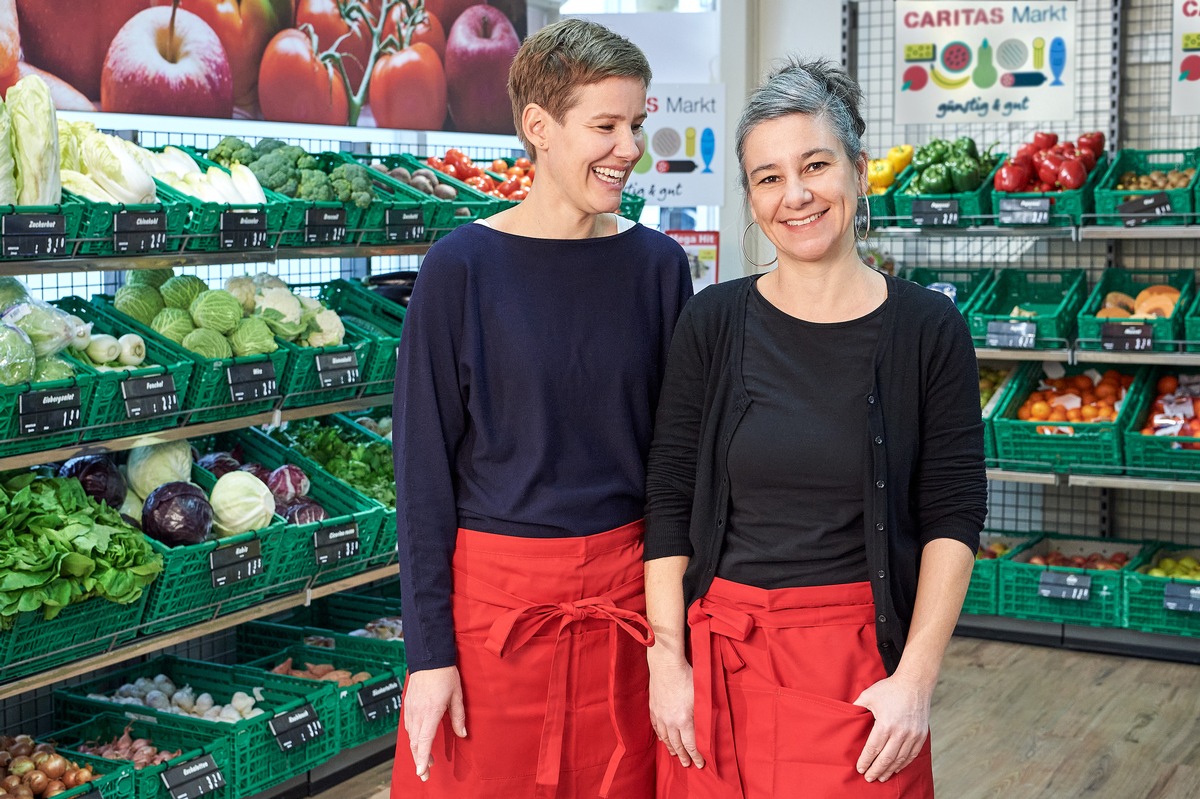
880,174
900,156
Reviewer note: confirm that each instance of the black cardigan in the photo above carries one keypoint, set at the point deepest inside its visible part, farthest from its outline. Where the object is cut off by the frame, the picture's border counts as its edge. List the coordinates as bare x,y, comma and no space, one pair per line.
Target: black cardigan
926,475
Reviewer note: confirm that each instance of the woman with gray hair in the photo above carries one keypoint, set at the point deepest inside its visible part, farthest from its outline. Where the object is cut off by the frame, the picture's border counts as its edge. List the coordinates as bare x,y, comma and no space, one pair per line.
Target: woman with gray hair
816,487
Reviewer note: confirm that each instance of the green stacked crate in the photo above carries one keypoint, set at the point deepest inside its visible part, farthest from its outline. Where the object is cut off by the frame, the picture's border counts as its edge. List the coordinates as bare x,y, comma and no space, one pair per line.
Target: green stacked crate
98,221
387,219
1167,330
1053,297
883,206
968,282
974,207
1163,604
470,204
1145,162
303,382
1191,324
1067,207
1000,378
372,316
330,622
983,593
14,439
1163,457
71,211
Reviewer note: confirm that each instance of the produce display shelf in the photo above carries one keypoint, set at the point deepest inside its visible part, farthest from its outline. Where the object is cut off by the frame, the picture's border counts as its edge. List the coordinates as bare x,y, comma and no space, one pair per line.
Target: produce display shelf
1100,232
1038,478
985,231
1132,483
1164,358
152,644
1018,354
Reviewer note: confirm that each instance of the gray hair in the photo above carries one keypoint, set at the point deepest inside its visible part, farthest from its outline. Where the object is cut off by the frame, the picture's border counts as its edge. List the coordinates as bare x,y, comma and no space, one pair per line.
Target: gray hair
817,88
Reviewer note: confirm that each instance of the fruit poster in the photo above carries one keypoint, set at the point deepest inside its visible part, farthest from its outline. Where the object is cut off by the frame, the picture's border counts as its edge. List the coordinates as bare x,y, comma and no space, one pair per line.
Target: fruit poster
960,62
702,248
685,156
411,64
1185,58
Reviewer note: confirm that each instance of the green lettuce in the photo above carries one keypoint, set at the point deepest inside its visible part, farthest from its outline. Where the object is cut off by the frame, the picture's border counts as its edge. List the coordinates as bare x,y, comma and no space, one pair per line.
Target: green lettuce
35,142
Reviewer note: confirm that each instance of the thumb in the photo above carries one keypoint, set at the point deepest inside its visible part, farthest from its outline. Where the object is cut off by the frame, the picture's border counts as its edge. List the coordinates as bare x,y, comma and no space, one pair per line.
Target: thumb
458,714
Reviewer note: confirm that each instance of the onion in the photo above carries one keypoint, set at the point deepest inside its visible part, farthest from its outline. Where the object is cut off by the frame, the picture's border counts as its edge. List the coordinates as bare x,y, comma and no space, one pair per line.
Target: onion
39,758
6,741
54,788
23,792
68,777
5,758
10,782
37,781
54,766
6,795
20,766
83,775
44,748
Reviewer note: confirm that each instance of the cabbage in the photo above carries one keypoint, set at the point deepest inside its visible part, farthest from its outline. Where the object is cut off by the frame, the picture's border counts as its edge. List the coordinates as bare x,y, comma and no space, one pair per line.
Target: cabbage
156,464
17,360
243,288
85,187
216,310
177,514
148,277
131,508
99,476
207,343
52,368
49,329
107,161
257,469
219,463
173,323
12,291
68,149
240,503
139,302
8,167
35,142
252,337
179,291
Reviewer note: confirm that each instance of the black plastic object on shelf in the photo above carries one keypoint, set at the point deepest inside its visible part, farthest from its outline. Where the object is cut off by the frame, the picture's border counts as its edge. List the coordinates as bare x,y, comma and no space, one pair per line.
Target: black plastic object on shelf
395,286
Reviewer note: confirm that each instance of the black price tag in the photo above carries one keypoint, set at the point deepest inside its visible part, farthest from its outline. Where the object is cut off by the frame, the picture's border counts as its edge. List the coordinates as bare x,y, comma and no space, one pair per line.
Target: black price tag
323,225
139,232
380,700
331,544
337,368
1065,585
1143,209
1017,335
296,728
235,562
48,411
243,230
34,235
92,794
146,397
931,213
252,381
1125,337
404,225
193,778
1184,598
1025,211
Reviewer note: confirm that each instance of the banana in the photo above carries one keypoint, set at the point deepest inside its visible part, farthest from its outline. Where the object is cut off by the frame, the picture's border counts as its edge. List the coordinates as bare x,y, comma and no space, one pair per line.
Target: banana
943,82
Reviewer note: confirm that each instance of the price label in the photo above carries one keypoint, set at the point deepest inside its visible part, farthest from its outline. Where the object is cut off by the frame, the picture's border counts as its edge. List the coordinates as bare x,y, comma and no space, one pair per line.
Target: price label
377,701
243,230
48,411
146,397
193,778
331,544
337,368
1024,211
92,794
323,225
404,225
252,381
235,562
139,232
1125,338
34,235
296,728
1018,335
1143,209
932,213
1061,585
1180,597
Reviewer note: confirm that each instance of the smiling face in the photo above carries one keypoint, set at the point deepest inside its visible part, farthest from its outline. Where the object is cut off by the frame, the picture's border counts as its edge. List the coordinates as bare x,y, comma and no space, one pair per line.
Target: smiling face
803,188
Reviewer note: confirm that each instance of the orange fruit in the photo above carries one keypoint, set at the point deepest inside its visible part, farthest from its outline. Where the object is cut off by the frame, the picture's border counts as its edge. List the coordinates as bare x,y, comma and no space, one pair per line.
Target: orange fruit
1088,397
1074,415
1023,413
1089,412
1081,382
1126,381
1058,414
1107,391
1039,410
1167,384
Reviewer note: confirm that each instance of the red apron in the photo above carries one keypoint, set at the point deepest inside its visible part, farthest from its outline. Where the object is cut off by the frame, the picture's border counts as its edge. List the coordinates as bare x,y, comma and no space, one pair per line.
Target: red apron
551,639
775,674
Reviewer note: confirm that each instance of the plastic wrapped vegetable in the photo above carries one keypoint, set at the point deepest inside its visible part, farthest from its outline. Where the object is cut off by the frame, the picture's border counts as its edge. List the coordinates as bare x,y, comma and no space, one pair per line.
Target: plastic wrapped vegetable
177,514
35,142
49,329
17,359
240,503
52,368
244,289
12,291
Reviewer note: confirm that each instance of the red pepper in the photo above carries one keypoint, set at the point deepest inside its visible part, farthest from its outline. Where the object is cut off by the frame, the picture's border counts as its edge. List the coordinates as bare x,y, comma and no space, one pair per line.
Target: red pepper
1027,151
1086,156
1011,177
1047,166
1093,141
1044,141
1072,174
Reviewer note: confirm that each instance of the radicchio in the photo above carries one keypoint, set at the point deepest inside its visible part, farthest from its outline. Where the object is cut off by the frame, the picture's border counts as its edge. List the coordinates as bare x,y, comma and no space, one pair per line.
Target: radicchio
305,511
219,463
288,483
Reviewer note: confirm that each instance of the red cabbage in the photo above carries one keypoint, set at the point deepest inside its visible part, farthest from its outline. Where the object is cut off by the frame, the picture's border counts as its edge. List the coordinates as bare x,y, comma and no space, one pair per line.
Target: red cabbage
288,483
99,476
258,470
305,511
219,463
177,514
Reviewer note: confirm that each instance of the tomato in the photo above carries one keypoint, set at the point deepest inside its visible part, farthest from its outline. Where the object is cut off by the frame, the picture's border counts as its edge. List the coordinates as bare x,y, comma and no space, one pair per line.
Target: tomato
433,162
326,19
523,162
1167,384
519,194
428,30
447,10
408,90
509,186
499,165
294,85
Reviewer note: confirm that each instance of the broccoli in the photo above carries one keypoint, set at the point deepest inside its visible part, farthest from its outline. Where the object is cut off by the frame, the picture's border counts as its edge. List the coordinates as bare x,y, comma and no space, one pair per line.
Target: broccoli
275,171
352,183
232,150
266,146
314,185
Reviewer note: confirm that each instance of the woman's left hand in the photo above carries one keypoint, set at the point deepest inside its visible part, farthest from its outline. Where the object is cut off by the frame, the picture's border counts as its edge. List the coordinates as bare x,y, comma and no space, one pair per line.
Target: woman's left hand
901,710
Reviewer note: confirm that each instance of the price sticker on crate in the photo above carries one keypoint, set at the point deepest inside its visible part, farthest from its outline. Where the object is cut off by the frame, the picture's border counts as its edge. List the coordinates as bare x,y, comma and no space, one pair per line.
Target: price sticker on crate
193,779
1182,598
331,544
34,235
293,729
1016,335
404,225
1143,209
233,563
243,230
1024,211
337,368
377,701
1119,337
139,232
252,381
1060,585
48,411
935,213
146,397
324,225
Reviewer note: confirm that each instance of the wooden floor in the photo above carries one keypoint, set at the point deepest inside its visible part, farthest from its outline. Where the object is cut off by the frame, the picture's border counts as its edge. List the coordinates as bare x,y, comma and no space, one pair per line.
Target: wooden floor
1012,721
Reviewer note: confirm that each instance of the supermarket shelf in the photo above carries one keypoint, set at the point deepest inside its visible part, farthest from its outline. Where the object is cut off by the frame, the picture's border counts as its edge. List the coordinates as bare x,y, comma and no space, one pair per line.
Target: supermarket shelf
1130,643
1165,358
1017,354
1133,483
1102,233
1011,476
146,646
365,251
983,231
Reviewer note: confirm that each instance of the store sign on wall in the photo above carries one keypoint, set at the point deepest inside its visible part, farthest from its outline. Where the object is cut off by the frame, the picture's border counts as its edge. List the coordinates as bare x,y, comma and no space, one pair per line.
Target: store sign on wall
684,160
701,247
960,62
1185,58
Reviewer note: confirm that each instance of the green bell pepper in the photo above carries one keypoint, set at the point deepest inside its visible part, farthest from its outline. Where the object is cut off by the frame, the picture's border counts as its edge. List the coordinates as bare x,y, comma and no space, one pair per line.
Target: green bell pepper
965,173
935,180
965,145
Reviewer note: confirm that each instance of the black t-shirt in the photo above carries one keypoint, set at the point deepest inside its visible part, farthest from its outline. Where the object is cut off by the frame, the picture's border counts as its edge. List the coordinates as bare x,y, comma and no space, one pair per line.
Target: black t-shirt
797,458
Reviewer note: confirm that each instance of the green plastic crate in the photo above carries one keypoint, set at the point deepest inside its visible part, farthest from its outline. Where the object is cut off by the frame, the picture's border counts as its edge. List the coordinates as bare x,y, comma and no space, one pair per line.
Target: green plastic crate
1054,295
983,593
329,623
1067,208
471,204
883,206
301,380
974,207
1191,324
163,733
1143,162
376,413
107,417
630,208
111,780
13,440
1019,581
1167,330
988,411
1144,598
386,319
968,282
1157,457
258,760
392,196
96,223
72,213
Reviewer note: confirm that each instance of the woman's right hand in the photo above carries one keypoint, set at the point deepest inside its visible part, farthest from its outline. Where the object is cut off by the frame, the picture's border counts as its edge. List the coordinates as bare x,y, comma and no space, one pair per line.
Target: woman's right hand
429,695
672,703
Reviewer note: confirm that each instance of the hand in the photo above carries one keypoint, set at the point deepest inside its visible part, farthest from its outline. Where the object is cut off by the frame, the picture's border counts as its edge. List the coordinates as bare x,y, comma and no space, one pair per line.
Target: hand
901,710
672,703
429,695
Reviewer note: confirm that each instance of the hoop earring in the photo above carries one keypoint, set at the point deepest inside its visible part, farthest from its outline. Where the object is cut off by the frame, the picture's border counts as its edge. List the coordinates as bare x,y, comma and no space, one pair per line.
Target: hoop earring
749,260
867,229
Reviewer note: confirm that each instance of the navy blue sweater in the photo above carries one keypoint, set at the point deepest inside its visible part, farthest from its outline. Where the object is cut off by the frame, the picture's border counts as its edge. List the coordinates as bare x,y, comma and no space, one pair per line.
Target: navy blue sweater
526,385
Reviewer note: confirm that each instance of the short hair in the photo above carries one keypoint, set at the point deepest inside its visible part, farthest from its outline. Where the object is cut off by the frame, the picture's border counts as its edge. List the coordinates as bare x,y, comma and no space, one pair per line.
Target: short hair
560,58
818,88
